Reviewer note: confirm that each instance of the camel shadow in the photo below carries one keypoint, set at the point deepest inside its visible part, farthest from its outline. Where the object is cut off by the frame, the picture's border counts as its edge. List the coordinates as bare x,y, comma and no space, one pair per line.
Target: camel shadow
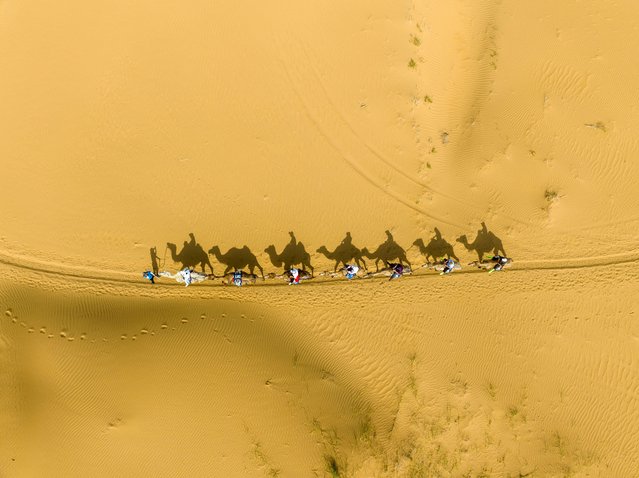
437,248
344,253
387,251
191,255
293,254
237,259
485,242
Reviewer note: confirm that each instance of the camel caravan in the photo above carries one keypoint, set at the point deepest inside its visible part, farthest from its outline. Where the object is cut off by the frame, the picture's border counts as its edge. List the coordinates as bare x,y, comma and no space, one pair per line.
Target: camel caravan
389,259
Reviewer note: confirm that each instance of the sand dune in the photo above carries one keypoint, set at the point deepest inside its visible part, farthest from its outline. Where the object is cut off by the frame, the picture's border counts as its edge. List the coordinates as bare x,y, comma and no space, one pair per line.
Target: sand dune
516,374
254,136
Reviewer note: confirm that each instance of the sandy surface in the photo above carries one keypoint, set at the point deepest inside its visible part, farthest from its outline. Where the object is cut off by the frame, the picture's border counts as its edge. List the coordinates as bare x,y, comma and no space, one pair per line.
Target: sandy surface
432,127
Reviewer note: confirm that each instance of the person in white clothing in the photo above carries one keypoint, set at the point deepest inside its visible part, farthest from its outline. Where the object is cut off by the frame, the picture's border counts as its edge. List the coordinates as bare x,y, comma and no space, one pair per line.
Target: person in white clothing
186,275
294,276
351,270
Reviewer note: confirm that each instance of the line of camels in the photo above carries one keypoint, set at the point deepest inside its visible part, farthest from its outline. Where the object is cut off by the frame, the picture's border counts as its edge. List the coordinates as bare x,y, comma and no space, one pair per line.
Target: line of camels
294,255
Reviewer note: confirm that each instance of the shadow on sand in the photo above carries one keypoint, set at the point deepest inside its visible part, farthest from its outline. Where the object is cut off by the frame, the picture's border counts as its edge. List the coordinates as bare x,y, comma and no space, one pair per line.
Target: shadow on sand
437,248
344,253
191,255
155,263
237,259
293,254
387,251
485,242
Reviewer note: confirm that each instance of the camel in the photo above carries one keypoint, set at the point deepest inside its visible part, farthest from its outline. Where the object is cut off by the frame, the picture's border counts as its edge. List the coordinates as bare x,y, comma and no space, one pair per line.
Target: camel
439,266
179,277
231,278
236,259
437,247
489,264
387,252
484,242
303,275
389,270
293,254
191,255
343,272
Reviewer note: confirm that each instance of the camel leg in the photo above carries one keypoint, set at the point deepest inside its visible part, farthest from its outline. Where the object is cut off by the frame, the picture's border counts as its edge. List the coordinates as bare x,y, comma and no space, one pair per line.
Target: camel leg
257,264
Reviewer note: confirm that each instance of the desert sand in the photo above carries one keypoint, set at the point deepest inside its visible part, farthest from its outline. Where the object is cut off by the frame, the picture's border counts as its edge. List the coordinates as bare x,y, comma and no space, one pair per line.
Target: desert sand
463,128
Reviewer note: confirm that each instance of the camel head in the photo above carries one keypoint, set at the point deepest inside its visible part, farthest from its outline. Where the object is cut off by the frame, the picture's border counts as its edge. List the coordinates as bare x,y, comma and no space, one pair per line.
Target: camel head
272,254
174,255
213,251
419,243
322,250
463,240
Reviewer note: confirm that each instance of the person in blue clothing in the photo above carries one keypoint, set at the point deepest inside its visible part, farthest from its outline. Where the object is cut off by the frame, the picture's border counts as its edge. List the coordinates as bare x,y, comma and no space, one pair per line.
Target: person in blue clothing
237,278
150,276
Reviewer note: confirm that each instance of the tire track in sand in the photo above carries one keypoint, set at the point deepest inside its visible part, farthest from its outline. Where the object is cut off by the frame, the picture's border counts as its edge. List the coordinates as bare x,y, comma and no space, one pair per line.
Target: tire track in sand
366,150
